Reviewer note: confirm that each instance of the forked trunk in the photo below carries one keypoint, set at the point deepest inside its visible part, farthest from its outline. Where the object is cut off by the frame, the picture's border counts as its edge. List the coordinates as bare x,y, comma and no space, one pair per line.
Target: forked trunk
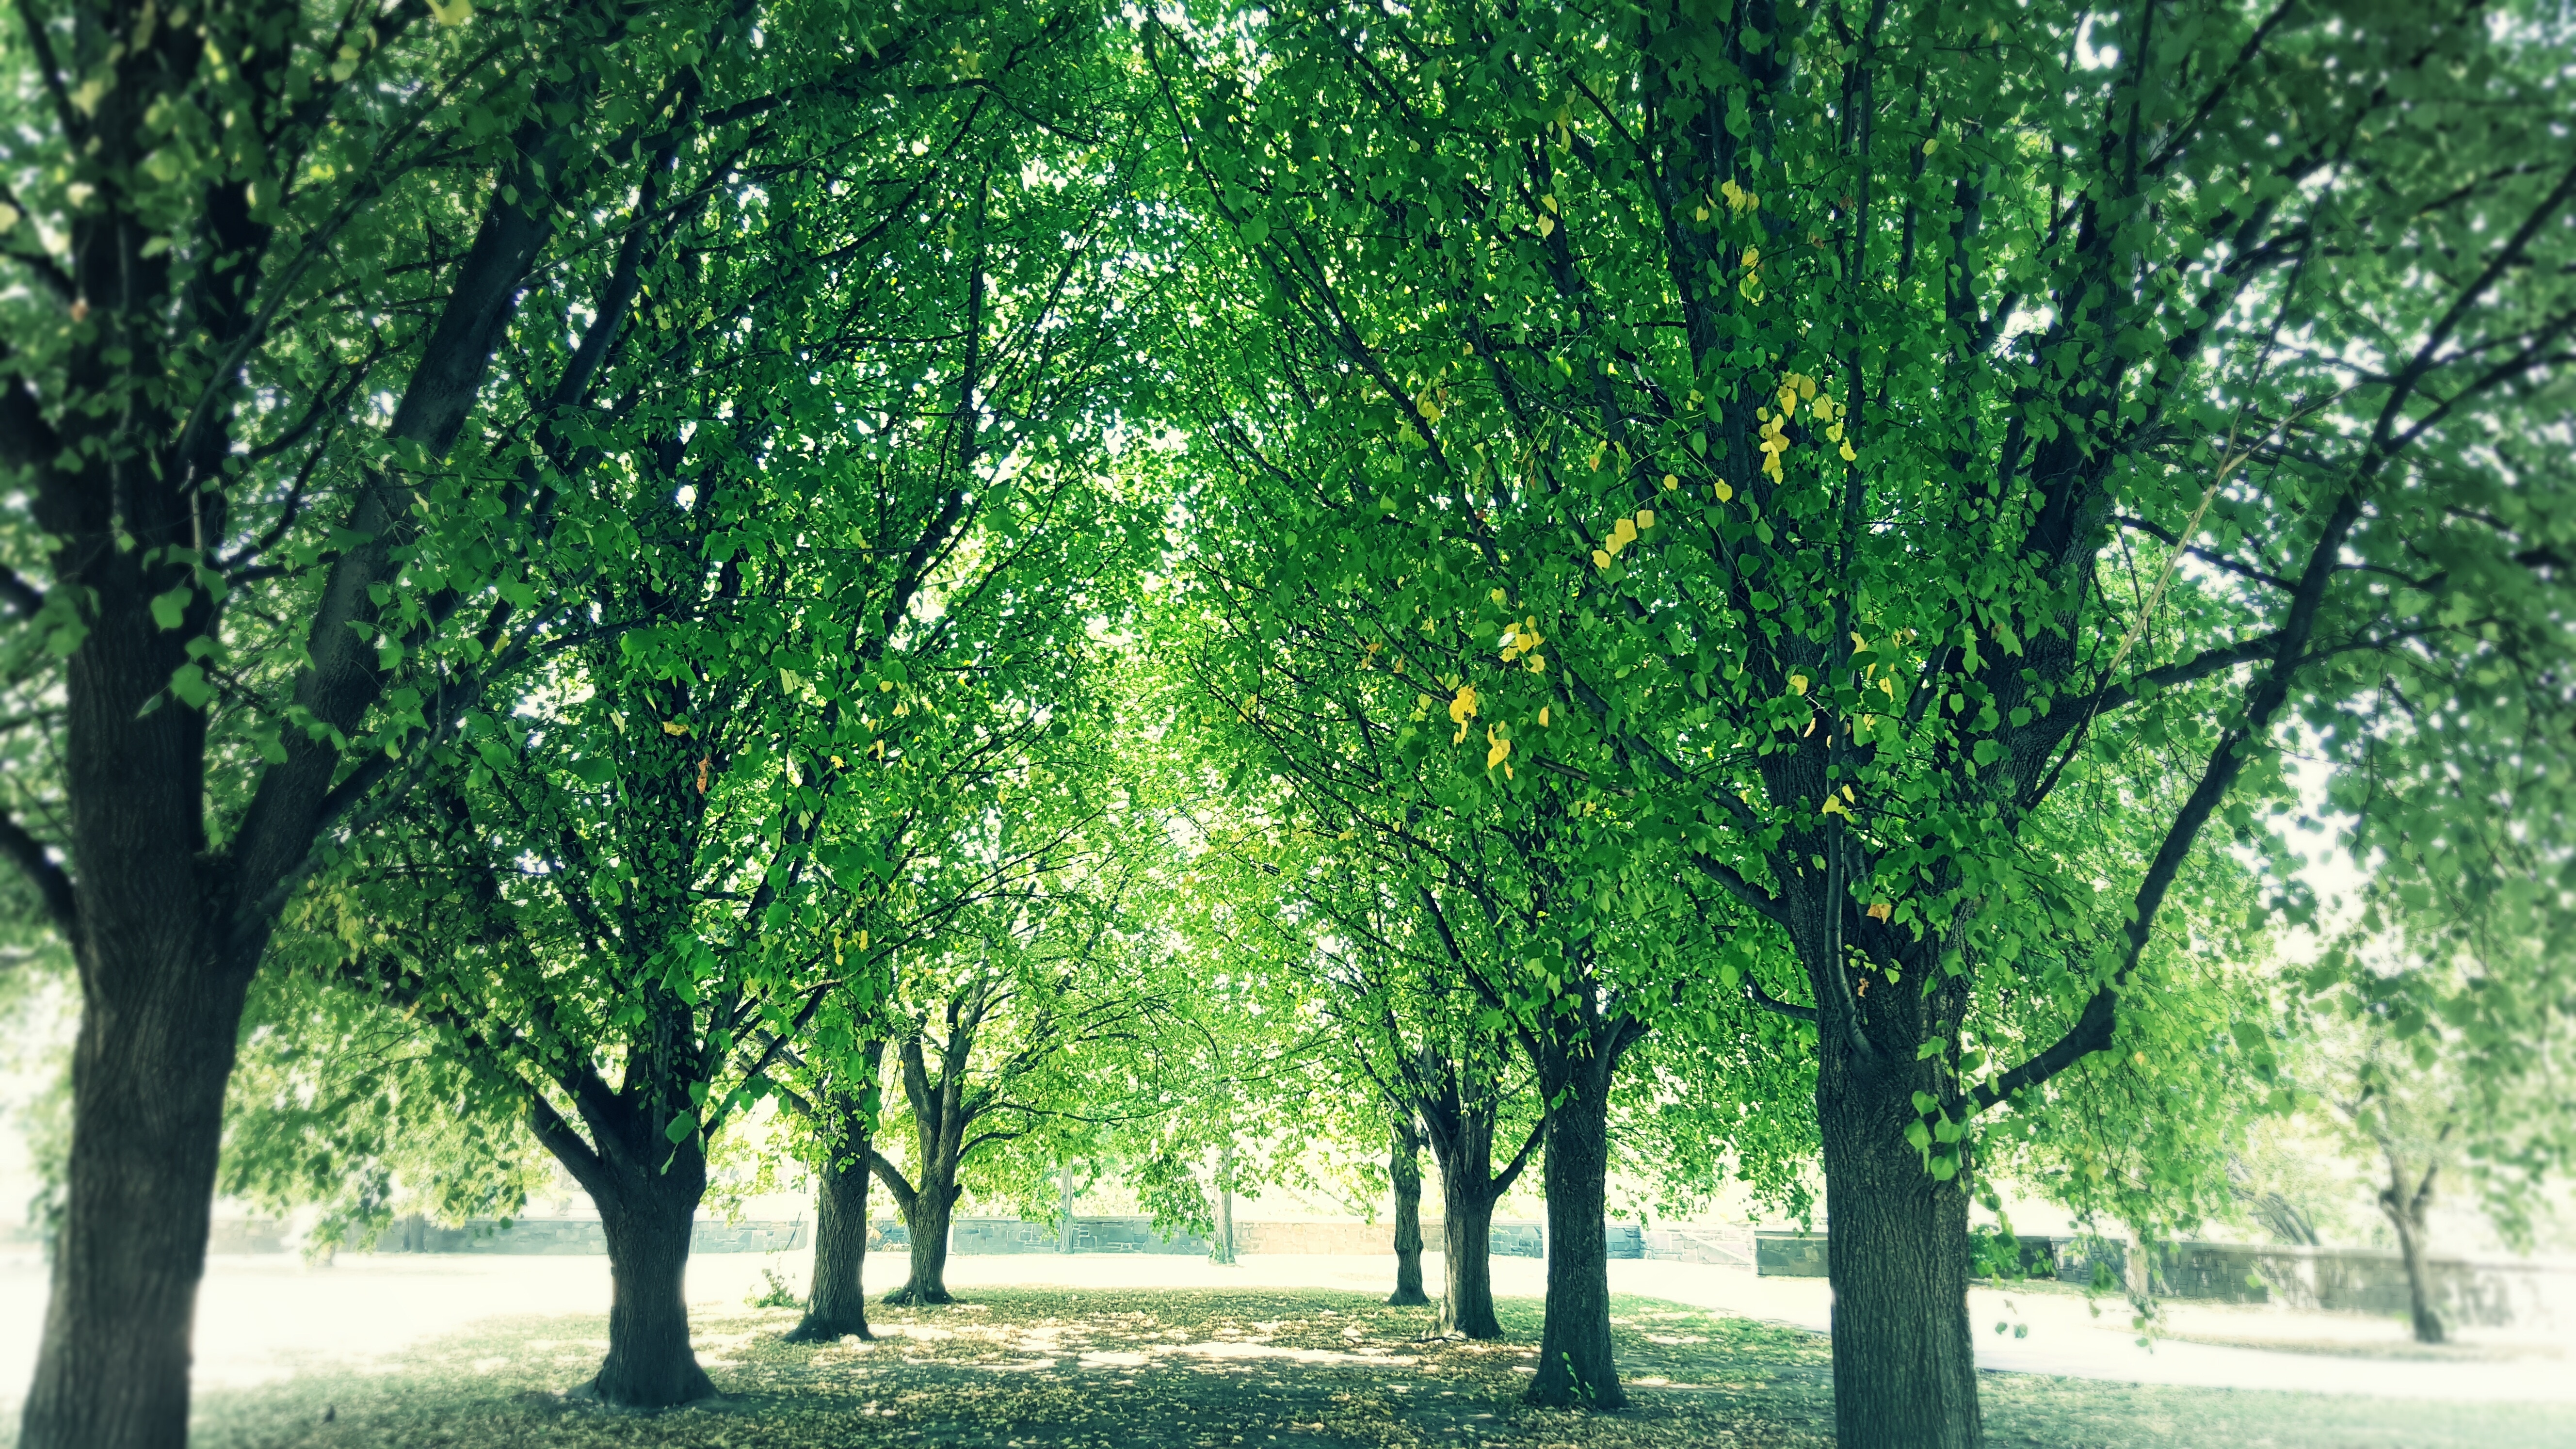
1467,1258
1404,1167
154,1050
650,1364
1576,1367
928,1225
837,1305
1905,1374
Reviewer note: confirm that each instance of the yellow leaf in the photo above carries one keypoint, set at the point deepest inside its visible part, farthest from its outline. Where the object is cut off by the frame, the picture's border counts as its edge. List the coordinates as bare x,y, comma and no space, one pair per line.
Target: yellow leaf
1836,807
1496,750
1550,203
1671,482
1622,534
1542,716
885,686
454,12
1700,215
674,727
1797,684
1723,492
1645,519
1600,559
1848,455
1752,258
1497,596
1464,705
1880,910
1546,226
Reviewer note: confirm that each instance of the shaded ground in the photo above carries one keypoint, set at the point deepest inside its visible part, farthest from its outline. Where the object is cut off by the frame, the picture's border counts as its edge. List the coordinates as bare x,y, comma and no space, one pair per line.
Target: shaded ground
1217,1369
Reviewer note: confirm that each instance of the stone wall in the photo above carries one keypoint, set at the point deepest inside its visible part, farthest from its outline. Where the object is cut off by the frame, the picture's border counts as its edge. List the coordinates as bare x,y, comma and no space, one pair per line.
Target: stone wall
573,1236
1138,1235
1788,1253
1725,1247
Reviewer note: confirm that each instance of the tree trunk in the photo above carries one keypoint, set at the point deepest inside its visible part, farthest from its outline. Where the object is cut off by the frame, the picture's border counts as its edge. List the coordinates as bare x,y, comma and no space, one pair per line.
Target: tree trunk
837,1305
1467,1258
650,1364
2419,1275
928,1225
1222,1250
149,1066
1576,1367
1898,1255
1404,1166
1064,1207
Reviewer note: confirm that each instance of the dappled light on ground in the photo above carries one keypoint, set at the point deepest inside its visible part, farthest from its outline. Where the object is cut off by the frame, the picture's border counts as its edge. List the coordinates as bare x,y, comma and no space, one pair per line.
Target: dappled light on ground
1254,1368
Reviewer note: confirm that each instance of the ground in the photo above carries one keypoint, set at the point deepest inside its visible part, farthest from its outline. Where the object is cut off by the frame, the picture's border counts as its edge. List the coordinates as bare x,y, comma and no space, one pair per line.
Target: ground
1052,1368
1283,1352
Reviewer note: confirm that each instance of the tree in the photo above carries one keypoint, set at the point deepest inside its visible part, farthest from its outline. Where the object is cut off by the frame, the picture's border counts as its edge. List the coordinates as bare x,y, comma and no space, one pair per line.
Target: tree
276,511
340,1106
2444,1040
1017,1033
1803,384
659,854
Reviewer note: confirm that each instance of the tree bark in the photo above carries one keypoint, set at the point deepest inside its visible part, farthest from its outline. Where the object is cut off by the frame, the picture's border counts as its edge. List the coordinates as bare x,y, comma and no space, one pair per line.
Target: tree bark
1467,1258
2405,1211
1898,1256
1459,1109
836,1305
1404,1166
149,1066
650,1364
2419,1281
927,1222
1576,1366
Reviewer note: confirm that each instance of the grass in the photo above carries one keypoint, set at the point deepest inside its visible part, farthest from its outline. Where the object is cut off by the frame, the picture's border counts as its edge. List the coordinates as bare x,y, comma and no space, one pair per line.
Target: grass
1255,1369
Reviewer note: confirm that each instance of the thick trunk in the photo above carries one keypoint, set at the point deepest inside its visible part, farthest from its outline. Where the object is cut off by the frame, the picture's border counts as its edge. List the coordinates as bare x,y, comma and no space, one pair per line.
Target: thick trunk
928,1225
1404,1166
838,1305
1576,1367
148,1069
1898,1255
2419,1276
650,1364
1467,1257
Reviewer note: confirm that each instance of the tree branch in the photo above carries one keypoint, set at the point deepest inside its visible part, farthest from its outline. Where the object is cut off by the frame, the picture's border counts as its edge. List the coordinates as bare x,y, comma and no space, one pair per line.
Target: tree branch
52,882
